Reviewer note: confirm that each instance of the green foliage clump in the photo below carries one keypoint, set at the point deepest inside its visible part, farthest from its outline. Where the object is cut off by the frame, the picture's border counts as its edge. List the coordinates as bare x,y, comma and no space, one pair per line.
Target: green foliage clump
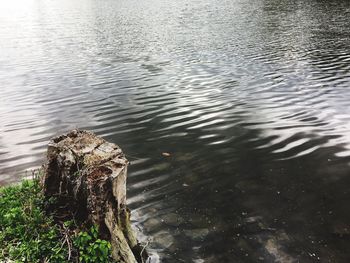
28,234
91,248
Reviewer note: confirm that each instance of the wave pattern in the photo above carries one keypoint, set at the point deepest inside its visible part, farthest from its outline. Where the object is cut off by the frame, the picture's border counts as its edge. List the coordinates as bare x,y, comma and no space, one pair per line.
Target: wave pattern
250,99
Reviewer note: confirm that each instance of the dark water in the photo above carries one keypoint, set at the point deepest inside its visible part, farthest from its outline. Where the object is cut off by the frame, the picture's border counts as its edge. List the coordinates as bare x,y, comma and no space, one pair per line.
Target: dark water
250,97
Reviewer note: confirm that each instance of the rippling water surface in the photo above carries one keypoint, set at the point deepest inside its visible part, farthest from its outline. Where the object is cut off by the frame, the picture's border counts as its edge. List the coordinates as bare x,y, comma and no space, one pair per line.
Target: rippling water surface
251,99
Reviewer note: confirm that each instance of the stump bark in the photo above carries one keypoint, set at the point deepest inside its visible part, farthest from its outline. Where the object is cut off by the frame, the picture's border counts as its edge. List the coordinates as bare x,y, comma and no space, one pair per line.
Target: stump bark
87,175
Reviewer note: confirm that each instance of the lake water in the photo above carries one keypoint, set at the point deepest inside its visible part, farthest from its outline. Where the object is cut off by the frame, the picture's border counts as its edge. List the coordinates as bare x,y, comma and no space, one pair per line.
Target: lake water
251,99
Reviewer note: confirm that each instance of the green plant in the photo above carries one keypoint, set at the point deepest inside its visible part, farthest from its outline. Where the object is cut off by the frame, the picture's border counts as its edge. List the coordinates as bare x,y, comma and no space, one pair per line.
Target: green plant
26,233
91,248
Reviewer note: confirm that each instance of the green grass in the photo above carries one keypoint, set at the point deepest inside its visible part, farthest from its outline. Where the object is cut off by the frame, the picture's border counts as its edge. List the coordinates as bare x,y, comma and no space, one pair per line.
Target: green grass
28,234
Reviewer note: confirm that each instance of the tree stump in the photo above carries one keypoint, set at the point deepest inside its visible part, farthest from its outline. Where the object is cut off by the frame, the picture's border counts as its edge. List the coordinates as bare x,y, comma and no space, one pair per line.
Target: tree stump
87,175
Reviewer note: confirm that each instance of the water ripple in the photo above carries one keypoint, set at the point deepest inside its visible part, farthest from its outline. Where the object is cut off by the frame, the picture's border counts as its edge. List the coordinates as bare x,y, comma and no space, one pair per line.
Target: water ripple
250,99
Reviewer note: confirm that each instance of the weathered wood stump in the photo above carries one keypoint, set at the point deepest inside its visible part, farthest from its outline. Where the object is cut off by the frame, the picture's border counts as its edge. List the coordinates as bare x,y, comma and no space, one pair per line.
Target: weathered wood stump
88,175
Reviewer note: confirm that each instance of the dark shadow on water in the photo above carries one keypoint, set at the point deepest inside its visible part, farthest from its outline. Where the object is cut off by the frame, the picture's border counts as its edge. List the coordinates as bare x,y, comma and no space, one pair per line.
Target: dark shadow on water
240,201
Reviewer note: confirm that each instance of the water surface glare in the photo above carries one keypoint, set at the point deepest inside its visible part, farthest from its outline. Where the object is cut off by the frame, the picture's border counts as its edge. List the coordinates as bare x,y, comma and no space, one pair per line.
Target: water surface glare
250,98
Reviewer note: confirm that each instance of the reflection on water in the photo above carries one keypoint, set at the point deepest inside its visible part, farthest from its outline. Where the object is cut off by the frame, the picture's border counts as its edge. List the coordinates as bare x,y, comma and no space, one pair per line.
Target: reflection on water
250,98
